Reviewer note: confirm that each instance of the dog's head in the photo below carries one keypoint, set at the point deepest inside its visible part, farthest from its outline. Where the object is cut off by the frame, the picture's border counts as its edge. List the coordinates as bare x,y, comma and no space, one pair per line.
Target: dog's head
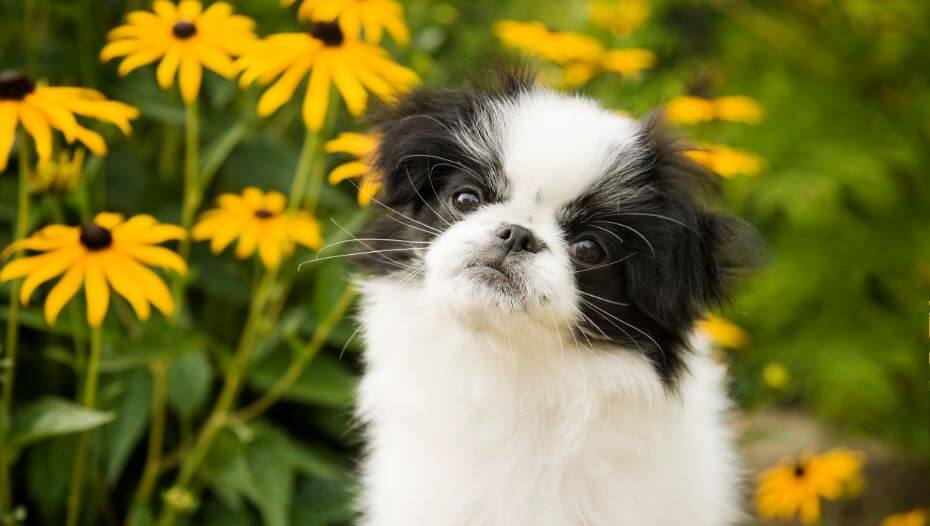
521,203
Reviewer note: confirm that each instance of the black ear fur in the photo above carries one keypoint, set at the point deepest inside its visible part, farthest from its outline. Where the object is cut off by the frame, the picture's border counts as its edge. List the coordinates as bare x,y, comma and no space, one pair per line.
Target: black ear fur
423,124
705,249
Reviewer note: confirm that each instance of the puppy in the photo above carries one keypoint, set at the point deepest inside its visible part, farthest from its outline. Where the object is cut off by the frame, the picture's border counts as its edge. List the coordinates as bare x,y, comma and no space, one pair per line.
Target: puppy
532,276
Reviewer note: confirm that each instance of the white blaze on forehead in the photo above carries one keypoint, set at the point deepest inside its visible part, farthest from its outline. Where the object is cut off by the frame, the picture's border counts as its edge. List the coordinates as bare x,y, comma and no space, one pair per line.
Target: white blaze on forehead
555,147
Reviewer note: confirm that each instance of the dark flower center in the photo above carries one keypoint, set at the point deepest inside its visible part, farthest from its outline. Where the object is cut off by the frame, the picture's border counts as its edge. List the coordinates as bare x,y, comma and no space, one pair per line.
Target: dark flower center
261,213
799,470
184,29
95,237
15,86
328,32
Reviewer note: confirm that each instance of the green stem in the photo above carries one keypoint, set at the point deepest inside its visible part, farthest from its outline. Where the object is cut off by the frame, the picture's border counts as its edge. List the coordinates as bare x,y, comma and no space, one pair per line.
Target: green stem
12,328
156,434
190,199
90,400
308,154
306,355
220,413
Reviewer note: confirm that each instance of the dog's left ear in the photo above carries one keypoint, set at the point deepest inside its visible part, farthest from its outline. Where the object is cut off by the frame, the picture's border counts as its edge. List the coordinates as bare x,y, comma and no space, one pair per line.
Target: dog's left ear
706,249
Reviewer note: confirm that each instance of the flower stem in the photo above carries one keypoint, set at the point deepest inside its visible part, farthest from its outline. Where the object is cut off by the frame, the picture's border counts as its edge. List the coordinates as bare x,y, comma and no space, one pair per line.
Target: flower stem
8,365
305,162
220,413
190,199
306,355
90,400
156,433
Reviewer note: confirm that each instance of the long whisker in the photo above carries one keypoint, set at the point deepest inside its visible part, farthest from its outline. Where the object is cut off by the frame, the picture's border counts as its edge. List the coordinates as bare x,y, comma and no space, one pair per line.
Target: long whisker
415,189
431,156
621,329
386,259
595,296
363,240
658,216
609,232
630,325
299,267
637,232
624,258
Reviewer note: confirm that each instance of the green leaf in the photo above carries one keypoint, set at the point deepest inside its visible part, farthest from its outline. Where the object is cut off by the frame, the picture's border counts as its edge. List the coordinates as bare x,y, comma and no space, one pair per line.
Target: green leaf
132,409
50,417
326,381
48,476
189,377
324,502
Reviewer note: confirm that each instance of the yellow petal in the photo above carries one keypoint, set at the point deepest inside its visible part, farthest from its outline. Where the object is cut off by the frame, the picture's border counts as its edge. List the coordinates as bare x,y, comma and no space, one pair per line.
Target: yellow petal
8,122
155,256
269,249
141,58
150,285
64,290
248,240
368,189
124,285
168,66
282,90
317,97
54,264
108,220
216,61
189,78
37,126
95,290
347,171
353,93
357,144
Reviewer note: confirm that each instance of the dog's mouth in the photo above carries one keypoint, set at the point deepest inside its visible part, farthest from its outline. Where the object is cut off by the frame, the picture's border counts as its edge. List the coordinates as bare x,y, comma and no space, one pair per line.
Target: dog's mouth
493,274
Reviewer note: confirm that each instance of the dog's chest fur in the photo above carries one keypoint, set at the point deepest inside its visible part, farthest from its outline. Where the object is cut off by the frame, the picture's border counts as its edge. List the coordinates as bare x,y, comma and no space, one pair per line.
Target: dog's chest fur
505,426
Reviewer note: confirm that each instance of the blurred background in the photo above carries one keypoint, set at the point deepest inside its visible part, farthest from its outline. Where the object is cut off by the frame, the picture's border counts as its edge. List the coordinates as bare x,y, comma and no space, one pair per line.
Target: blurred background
825,342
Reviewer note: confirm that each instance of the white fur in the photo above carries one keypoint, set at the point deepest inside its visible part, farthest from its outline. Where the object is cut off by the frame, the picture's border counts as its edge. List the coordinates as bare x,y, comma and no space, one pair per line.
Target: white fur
481,407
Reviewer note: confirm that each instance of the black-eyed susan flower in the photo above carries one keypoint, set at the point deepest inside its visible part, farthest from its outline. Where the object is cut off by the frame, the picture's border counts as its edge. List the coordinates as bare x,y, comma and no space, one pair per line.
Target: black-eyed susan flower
328,56
374,17
43,108
796,487
260,222
910,518
694,110
620,17
725,161
108,252
723,332
59,174
185,37
362,146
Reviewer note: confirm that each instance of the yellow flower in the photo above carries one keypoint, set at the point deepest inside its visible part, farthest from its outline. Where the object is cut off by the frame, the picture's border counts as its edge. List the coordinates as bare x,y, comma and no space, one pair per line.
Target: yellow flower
621,17
42,108
59,175
725,161
911,518
723,332
362,146
328,56
374,16
108,252
796,487
775,375
259,221
561,47
185,37
693,110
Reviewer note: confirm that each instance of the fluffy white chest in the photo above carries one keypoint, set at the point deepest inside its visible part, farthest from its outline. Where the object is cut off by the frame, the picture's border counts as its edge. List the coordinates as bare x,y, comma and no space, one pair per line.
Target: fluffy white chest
506,426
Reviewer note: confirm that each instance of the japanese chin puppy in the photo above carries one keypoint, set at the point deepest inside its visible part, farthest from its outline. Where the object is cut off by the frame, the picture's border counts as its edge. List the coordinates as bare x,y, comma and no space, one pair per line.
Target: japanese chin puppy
531,279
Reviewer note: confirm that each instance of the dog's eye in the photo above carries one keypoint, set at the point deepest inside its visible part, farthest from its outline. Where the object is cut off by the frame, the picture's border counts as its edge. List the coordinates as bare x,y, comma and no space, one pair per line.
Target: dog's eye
466,201
588,251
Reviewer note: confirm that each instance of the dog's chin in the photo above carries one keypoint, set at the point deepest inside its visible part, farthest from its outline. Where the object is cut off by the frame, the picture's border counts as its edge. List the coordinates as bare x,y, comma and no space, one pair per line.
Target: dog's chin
482,289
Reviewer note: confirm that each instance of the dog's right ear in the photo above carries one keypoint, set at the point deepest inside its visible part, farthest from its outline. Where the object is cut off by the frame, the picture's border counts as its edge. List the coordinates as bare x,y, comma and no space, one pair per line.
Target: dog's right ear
428,131
414,133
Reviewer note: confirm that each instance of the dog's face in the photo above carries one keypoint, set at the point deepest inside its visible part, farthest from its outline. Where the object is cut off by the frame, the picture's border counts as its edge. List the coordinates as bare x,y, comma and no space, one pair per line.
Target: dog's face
520,203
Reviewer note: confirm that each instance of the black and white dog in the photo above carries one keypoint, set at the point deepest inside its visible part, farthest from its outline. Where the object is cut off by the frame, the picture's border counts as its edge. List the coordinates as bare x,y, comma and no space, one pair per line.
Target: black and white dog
533,274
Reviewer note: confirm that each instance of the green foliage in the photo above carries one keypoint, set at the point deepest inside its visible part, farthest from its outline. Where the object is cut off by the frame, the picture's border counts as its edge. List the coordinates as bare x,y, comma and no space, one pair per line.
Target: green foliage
843,205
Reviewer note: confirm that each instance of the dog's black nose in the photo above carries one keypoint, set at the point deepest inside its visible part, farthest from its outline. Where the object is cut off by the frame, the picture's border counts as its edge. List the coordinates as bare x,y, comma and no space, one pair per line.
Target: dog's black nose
516,238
